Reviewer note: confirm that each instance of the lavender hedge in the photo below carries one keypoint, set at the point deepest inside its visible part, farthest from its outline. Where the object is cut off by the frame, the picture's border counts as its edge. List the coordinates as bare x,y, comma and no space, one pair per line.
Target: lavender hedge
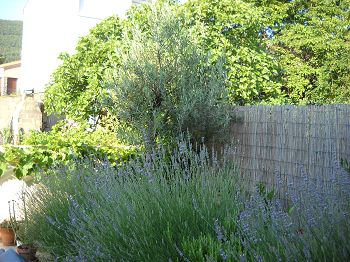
184,206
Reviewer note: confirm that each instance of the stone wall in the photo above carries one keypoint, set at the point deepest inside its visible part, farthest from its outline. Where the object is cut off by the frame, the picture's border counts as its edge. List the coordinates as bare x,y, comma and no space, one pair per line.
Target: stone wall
7,107
24,113
30,116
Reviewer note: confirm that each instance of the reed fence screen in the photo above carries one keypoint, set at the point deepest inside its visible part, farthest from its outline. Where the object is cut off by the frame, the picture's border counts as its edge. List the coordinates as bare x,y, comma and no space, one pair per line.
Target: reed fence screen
291,141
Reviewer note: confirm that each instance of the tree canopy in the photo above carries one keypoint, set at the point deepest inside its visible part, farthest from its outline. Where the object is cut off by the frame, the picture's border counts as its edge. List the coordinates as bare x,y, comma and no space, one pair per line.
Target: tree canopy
76,88
310,41
10,40
276,52
235,28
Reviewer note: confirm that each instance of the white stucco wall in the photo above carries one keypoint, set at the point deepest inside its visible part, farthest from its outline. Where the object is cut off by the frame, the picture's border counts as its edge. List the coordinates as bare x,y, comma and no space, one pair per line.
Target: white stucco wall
54,26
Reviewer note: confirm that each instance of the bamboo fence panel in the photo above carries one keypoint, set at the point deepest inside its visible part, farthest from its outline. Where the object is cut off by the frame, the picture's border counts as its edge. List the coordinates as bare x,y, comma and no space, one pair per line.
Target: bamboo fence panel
291,141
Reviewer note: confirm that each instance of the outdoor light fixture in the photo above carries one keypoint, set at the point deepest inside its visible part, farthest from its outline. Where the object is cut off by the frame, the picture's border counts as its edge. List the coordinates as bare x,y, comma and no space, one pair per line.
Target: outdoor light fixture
29,91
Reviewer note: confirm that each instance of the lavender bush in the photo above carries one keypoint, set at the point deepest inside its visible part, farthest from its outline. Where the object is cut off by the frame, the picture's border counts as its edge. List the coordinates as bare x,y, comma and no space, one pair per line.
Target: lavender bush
186,206
161,206
309,221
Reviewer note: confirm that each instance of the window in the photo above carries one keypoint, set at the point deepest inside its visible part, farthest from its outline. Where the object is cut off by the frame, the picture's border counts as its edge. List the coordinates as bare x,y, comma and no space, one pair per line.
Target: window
11,86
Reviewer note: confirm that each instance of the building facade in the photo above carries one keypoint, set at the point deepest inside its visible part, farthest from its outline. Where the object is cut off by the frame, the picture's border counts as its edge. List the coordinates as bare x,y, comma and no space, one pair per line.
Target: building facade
55,26
9,74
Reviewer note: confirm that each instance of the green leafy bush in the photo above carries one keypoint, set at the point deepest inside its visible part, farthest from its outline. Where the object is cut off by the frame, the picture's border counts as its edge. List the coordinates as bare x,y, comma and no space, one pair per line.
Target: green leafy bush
165,85
311,43
235,28
63,145
75,90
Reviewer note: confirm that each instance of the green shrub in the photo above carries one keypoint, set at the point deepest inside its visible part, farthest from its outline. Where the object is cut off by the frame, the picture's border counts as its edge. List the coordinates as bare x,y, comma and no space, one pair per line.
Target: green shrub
152,208
165,85
64,144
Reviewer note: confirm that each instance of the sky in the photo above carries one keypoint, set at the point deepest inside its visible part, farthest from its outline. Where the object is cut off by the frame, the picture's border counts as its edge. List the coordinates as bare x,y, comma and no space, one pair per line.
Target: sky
12,9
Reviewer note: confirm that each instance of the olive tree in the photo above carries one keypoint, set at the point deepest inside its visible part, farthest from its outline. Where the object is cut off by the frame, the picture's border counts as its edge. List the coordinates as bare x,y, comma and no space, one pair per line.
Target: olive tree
165,85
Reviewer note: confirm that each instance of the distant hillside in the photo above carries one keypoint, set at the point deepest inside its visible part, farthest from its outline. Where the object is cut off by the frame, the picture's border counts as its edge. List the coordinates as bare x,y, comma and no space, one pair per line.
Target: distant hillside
10,40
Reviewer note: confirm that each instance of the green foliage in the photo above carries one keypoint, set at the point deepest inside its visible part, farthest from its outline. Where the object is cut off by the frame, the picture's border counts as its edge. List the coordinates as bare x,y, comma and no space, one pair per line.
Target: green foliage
267,195
63,145
5,224
3,165
345,164
26,160
184,206
310,39
5,136
2,59
234,27
75,89
150,209
275,52
10,40
279,51
165,85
